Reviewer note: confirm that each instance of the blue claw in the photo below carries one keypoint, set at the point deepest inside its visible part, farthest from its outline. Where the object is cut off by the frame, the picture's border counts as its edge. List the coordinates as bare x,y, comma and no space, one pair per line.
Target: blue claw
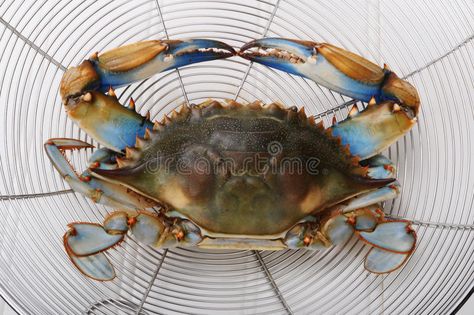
333,67
139,61
197,50
381,261
374,129
330,66
53,149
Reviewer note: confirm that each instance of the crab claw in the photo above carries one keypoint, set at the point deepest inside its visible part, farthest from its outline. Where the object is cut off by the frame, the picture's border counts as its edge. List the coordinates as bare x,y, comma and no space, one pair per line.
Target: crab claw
138,61
130,63
196,50
333,67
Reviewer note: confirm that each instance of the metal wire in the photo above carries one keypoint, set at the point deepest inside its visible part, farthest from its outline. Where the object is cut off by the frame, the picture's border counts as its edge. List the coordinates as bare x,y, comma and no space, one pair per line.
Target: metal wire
41,38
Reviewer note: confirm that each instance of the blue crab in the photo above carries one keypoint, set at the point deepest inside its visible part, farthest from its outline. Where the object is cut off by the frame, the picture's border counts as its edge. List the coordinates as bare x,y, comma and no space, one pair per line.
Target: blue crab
231,175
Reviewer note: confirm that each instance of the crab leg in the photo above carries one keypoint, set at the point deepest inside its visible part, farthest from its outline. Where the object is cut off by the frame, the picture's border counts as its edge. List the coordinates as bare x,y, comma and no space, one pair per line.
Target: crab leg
86,242
379,167
393,241
98,190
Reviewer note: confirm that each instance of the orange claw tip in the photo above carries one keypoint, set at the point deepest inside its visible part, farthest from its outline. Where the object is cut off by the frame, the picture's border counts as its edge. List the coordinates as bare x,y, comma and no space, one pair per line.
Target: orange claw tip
111,92
403,91
131,104
372,101
354,111
94,56
307,240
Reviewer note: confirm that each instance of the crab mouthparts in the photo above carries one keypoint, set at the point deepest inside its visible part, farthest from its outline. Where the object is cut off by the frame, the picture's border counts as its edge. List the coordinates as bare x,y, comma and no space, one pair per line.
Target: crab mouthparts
283,54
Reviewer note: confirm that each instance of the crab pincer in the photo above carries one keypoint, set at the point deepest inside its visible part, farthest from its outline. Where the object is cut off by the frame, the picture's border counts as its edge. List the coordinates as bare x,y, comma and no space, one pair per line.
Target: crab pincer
333,67
138,61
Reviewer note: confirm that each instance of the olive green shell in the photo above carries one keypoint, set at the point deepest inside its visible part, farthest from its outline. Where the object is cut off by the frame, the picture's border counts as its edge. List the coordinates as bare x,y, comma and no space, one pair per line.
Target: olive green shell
249,170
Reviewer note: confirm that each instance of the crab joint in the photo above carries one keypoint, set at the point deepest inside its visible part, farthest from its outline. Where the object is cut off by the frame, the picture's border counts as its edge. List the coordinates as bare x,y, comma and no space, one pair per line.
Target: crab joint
131,221
178,233
86,178
96,195
87,97
351,220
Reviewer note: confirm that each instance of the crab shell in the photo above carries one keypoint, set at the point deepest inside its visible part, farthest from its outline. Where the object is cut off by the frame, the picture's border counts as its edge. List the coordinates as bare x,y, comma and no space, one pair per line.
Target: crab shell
246,171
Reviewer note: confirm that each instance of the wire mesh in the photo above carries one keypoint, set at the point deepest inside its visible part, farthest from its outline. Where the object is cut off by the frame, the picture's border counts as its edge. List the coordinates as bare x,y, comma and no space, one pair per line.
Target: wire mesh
430,43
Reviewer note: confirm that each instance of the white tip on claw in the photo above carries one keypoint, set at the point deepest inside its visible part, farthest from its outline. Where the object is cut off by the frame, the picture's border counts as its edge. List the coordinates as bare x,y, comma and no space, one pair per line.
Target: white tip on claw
372,101
354,111
87,97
